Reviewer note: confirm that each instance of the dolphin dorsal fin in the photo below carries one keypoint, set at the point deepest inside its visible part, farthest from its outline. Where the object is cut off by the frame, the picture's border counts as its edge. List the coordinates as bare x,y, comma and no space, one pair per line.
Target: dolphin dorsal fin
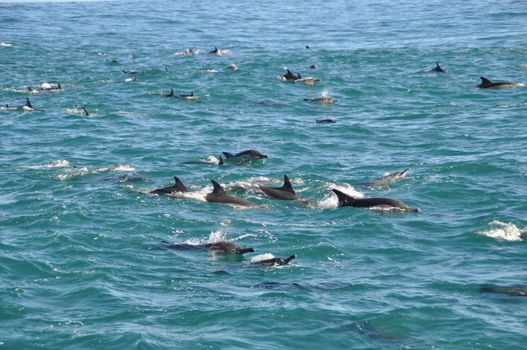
28,104
227,154
343,198
299,76
437,65
179,185
485,80
218,189
221,161
287,185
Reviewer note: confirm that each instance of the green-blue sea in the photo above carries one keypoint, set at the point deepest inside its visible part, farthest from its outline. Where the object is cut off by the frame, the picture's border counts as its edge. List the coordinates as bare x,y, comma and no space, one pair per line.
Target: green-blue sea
83,263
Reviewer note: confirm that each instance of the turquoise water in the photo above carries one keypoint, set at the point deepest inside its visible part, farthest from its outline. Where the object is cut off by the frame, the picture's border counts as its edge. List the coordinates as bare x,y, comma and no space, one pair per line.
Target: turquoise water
82,264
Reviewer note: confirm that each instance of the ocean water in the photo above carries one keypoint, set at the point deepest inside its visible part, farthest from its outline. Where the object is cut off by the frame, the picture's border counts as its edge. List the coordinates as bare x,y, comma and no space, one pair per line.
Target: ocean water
82,263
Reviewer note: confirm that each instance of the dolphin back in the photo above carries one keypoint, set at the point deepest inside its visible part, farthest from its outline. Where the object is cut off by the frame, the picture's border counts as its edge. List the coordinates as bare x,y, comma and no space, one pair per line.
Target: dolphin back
344,199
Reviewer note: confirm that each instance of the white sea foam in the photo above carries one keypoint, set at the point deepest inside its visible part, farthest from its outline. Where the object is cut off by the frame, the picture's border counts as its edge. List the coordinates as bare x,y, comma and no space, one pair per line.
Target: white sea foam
214,236
504,231
61,163
331,201
81,171
78,111
262,257
5,44
325,93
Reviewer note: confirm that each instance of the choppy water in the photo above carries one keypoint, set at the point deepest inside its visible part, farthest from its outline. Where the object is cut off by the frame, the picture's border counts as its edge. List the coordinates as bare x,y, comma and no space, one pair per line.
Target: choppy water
81,264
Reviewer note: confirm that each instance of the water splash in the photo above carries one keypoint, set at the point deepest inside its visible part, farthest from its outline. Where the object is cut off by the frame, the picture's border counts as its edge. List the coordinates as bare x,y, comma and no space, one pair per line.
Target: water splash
505,231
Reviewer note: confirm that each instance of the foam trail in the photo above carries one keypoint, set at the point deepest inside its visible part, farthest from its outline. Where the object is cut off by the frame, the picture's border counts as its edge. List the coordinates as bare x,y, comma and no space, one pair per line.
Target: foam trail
76,172
61,163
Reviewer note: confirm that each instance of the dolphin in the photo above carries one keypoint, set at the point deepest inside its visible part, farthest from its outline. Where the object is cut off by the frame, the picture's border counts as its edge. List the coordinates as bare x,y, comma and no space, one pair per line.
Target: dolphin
289,76
390,178
189,51
177,187
325,121
275,261
217,51
286,192
245,156
221,247
133,72
190,96
487,84
438,69
27,107
323,98
49,87
348,201
514,291
85,111
218,195
307,80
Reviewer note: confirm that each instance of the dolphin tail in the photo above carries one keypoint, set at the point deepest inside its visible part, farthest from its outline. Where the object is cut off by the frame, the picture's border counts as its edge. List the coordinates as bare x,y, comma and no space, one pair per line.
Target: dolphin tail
228,155
288,259
218,189
179,185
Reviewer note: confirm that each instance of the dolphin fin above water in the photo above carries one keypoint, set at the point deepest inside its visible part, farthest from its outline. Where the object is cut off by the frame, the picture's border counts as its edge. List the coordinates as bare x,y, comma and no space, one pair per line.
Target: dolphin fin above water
177,187
487,84
218,189
349,201
286,192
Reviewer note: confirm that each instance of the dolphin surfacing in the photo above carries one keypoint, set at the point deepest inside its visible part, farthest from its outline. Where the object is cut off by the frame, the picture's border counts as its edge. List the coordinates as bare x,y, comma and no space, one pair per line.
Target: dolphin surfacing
487,84
348,201
218,195
221,247
177,187
389,178
438,69
245,156
286,192
275,261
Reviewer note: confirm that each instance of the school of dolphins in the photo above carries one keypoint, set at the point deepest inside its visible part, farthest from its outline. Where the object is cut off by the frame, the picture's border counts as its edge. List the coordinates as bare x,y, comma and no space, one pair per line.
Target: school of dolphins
286,192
